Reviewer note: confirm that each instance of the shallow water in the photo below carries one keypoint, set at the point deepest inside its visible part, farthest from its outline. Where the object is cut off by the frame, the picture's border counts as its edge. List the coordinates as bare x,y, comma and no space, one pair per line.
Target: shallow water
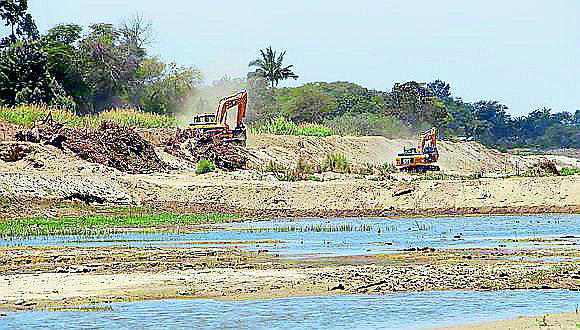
297,238
394,311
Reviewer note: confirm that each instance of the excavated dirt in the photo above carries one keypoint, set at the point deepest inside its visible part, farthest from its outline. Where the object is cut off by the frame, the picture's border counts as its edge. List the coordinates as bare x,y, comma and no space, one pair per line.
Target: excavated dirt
191,146
456,157
43,172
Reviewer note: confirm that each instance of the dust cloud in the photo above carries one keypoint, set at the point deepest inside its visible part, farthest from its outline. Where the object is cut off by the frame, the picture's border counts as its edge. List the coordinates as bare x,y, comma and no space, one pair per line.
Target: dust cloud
205,99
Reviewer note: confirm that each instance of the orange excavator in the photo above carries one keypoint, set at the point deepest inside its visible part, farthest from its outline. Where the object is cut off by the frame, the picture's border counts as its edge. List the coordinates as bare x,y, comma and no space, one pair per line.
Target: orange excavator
422,158
216,124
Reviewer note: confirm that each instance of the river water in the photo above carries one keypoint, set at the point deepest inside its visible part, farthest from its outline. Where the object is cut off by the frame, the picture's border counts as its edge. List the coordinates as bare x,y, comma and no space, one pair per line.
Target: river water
299,238
303,238
393,311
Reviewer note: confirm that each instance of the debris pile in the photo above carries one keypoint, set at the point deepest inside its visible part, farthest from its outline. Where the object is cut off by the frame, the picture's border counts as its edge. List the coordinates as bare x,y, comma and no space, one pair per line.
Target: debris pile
543,168
13,152
109,144
193,145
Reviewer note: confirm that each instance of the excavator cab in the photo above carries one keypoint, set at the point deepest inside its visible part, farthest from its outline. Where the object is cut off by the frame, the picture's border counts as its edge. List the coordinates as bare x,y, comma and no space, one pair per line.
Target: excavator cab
422,158
216,124
204,119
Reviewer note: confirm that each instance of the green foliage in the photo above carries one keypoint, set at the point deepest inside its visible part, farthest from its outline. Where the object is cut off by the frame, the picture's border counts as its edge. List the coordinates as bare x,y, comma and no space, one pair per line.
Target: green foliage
102,68
270,66
167,87
101,225
337,163
306,104
205,166
349,109
25,78
133,118
308,129
64,63
569,171
368,124
284,126
15,16
28,115
107,66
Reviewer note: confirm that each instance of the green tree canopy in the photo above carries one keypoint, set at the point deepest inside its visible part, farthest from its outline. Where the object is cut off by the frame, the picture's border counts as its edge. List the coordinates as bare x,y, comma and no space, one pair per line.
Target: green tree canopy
271,67
16,17
25,77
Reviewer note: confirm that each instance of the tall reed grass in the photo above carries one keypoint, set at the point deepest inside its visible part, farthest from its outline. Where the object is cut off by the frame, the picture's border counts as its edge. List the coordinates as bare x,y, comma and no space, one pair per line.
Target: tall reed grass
30,114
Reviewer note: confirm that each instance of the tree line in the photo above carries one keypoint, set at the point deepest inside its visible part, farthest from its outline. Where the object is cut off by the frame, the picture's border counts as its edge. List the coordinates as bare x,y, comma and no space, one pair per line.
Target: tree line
413,106
105,66
87,70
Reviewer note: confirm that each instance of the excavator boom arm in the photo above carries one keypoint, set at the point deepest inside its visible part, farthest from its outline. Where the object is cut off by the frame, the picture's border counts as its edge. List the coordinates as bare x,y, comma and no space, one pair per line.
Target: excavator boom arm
428,136
240,99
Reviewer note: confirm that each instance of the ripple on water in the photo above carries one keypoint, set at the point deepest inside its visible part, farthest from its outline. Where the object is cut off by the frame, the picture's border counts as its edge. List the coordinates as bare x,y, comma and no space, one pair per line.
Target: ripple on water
393,311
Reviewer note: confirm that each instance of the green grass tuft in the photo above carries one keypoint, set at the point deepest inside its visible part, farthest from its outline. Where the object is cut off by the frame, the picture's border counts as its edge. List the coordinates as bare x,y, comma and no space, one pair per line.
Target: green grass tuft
337,163
569,171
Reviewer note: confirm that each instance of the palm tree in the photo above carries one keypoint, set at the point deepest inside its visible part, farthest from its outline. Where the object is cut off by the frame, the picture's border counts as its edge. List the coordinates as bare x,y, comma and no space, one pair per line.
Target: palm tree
271,68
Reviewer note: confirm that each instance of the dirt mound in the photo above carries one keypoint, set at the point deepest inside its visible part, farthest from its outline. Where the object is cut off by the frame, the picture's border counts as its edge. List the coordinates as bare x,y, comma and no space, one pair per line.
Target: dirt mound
192,146
110,144
459,157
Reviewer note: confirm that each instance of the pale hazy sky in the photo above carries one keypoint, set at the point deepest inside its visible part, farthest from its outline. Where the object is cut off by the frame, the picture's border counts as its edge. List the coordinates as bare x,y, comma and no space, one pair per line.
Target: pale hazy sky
524,53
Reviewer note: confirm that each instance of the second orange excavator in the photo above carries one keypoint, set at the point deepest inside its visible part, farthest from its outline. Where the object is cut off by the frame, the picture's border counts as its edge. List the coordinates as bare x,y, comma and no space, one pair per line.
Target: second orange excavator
422,158
216,124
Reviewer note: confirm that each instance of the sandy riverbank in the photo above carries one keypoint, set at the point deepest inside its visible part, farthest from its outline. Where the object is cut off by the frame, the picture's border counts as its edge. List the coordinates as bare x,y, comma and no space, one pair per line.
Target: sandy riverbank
569,320
37,277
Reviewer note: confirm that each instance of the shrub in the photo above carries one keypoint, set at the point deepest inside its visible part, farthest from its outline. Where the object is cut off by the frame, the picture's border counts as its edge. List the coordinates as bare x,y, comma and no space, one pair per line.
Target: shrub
368,124
205,166
367,169
279,126
337,163
302,171
134,118
569,171
314,130
386,169
283,126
